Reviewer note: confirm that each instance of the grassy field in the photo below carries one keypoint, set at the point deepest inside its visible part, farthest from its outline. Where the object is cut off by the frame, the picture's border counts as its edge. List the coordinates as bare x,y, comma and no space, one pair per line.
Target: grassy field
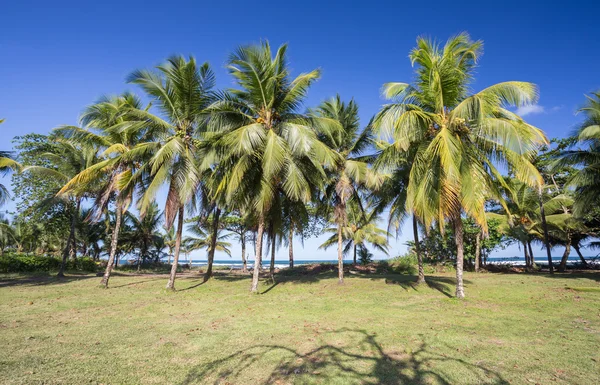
375,329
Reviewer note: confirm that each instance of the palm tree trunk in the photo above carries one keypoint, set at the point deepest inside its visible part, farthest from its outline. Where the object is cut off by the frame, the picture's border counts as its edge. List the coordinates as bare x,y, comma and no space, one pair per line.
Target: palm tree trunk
563,262
354,251
421,277
291,245
576,247
272,265
171,283
458,236
477,251
69,249
545,228
113,246
258,257
526,254
530,253
213,245
244,263
340,256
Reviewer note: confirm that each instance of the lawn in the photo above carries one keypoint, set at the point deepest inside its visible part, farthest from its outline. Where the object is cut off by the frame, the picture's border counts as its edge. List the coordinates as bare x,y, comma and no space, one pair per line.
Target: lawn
375,329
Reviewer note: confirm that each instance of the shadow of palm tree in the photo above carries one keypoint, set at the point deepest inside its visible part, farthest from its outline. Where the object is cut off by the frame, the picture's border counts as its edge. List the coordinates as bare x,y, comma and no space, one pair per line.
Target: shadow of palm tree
444,285
362,360
42,280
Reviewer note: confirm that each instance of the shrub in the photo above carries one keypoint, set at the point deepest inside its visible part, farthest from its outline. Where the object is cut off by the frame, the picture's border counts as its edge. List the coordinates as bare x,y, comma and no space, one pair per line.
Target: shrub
405,264
24,263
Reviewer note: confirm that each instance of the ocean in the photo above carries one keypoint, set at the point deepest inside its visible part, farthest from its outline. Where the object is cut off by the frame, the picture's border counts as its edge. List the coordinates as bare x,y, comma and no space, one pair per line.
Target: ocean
237,264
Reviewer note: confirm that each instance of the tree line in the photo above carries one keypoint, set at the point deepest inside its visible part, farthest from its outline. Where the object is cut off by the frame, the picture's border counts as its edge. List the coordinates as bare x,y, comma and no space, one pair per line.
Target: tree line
254,164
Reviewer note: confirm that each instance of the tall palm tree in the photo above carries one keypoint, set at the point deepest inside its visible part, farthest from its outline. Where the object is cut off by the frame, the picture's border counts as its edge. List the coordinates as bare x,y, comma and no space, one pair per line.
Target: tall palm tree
182,90
268,147
65,161
461,138
586,179
392,194
111,126
351,170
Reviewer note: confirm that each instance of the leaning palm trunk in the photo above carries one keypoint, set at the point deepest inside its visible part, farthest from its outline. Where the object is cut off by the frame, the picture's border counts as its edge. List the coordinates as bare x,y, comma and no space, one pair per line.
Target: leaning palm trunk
458,236
258,258
563,262
421,277
340,256
171,283
545,228
213,245
70,247
113,247
583,261
526,255
531,253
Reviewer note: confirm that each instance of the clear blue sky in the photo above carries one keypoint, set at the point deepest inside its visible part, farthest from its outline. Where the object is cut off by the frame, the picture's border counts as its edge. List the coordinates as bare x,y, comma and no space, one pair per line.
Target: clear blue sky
56,57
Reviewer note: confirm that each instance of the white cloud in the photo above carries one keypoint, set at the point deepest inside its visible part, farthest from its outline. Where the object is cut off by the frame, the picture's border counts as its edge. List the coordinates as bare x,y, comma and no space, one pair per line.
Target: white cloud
530,110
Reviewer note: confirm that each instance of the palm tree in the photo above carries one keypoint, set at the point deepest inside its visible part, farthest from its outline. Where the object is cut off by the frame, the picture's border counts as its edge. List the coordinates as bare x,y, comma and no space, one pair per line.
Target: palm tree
7,164
392,195
182,91
238,226
143,234
111,127
351,170
200,240
170,239
461,138
66,160
586,179
267,147
360,229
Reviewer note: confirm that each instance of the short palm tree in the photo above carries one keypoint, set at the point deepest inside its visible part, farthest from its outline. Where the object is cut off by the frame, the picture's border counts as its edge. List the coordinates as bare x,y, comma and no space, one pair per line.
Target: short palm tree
461,138
182,90
143,233
361,228
268,147
199,240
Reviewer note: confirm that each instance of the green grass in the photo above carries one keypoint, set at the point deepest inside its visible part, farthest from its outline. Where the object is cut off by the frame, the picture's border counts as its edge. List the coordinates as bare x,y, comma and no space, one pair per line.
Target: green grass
375,329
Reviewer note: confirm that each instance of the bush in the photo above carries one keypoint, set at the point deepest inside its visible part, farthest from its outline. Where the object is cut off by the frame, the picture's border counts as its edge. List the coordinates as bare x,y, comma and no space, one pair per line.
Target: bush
404,264
407,264
24,263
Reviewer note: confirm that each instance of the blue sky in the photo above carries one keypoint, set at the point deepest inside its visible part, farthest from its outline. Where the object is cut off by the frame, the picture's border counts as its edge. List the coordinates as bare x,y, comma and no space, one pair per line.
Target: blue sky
56,57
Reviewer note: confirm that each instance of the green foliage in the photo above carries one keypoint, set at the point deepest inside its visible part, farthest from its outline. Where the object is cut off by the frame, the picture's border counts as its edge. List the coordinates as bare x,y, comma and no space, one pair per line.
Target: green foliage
26,263
364,256
440,246
403,264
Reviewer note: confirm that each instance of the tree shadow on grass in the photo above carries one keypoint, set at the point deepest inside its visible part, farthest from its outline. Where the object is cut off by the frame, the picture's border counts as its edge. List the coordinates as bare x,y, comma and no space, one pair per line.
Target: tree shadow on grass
359,359
43,279
444,285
